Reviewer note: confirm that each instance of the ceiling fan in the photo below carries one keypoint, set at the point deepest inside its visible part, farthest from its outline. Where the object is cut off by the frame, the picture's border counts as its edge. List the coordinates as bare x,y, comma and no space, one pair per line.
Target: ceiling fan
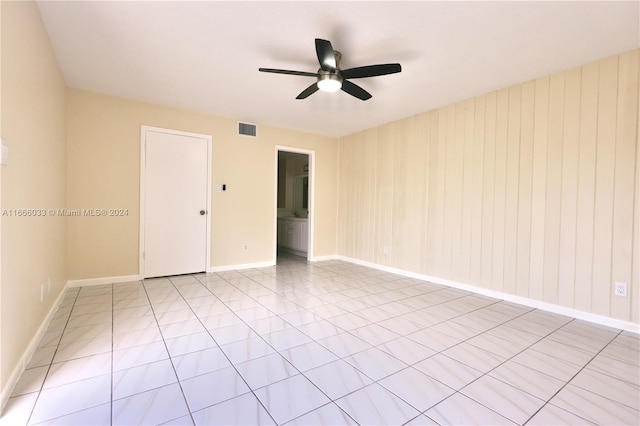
331,78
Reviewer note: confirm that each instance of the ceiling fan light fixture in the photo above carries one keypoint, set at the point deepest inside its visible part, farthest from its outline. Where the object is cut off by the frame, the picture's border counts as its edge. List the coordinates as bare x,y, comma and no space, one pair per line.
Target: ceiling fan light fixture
329,82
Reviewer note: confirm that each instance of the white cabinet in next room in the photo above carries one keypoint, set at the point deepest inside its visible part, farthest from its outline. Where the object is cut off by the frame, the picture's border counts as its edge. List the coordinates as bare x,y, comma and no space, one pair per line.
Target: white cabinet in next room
293,234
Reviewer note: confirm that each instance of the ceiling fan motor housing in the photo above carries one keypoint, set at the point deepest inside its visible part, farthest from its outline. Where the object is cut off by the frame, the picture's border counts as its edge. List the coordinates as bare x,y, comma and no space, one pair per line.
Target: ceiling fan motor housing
329,81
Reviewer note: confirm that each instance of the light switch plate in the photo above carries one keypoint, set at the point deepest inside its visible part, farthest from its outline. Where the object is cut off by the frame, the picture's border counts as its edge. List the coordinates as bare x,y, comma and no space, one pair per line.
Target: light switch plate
5,153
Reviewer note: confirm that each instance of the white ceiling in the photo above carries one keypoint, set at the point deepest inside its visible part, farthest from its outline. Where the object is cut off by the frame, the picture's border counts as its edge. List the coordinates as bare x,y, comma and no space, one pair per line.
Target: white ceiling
204,56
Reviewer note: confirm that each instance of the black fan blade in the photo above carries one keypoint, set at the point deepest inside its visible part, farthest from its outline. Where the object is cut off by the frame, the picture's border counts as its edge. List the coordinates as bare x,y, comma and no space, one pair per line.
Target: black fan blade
302,73
308,91
355,90
371,71
326,55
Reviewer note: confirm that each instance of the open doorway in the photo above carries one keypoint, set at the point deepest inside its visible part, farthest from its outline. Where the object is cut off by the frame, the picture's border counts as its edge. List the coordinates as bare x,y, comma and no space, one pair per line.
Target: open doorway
294,202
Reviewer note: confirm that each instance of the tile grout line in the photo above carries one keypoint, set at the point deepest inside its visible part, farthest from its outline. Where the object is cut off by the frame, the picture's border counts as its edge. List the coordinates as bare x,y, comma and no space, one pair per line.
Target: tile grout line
422,412
605,373
245,323
458,391
219,347
569,381
144,287
347,283
53,357
300,372
295,300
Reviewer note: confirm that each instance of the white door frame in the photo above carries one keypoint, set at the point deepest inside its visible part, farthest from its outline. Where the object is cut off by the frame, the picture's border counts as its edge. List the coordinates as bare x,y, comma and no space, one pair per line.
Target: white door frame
312,204
143,133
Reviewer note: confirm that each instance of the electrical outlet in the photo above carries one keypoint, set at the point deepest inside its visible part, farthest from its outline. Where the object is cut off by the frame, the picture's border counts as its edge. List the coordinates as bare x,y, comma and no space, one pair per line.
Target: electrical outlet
620,289
245,247
385,250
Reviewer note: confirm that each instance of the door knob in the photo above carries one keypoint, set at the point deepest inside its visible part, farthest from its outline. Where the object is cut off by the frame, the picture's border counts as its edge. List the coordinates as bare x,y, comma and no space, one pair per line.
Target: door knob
202,212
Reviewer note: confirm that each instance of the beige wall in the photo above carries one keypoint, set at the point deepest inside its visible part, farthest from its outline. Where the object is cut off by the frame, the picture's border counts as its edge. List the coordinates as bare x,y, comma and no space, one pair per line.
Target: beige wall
528,190
2,376
33,117
103,148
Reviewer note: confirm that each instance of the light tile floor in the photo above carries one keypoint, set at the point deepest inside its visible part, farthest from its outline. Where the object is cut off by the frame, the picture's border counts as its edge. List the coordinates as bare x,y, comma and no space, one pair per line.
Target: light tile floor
325,343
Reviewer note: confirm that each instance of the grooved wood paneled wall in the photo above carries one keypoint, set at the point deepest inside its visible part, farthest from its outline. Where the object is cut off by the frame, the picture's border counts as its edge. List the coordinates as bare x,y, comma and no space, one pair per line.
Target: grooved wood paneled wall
532,190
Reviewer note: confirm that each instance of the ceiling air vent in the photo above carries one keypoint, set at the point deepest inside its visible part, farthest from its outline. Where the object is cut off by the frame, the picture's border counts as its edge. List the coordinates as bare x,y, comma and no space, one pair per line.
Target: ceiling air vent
247,129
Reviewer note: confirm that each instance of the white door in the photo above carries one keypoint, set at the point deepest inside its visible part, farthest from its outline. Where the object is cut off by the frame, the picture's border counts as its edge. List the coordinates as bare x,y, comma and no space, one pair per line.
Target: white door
175,205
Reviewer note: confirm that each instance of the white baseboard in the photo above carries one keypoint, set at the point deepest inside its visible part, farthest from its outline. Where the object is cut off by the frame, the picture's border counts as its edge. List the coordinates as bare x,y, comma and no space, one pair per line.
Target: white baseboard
549,307
28,353
241,266
103,280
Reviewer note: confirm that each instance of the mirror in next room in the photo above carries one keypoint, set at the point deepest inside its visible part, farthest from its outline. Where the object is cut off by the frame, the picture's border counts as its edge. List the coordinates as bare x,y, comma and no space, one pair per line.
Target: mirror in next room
293,184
